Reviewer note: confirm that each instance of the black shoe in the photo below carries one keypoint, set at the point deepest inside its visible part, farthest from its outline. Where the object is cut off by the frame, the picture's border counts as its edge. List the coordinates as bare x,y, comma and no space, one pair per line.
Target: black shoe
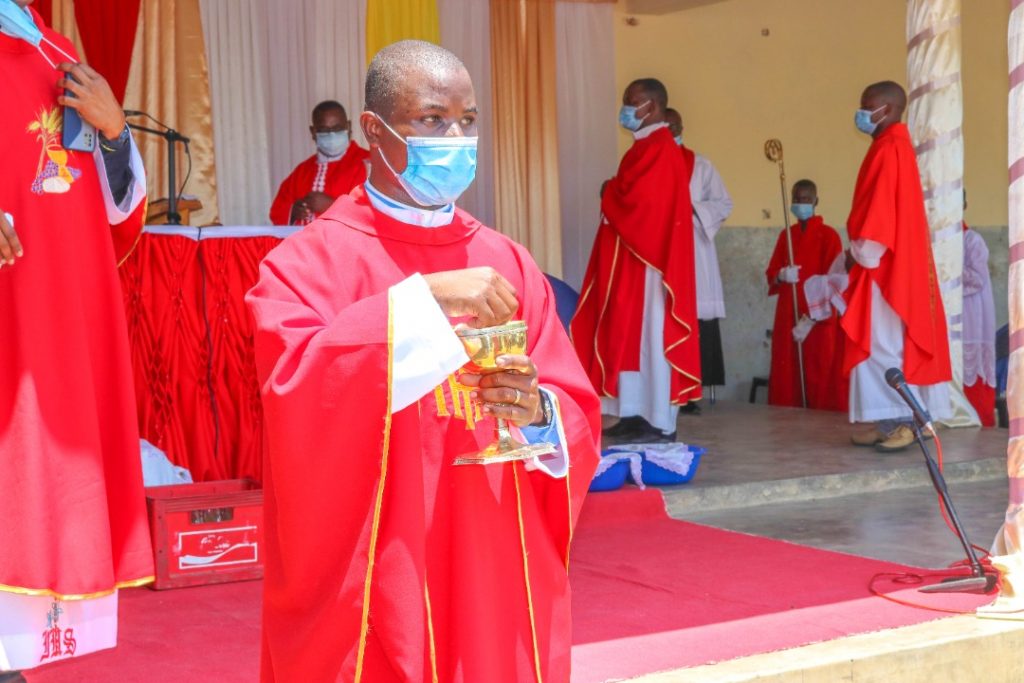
651,434
626,426
691,408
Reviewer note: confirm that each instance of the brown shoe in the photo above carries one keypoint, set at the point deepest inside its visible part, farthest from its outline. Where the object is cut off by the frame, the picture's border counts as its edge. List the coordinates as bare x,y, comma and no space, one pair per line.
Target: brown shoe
868,438
898,440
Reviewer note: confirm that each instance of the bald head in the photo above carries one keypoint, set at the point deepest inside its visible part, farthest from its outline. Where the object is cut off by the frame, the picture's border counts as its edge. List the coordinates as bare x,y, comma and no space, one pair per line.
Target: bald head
887,92
887,100
401,65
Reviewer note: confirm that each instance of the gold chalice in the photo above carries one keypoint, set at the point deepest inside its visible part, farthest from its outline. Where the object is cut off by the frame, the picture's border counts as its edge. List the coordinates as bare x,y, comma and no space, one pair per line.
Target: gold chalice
484,346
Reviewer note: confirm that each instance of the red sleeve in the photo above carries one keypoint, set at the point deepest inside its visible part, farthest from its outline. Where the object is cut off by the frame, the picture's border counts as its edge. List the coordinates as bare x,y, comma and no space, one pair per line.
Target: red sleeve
287,195
309,355
126,234
777,262
579,408
874,210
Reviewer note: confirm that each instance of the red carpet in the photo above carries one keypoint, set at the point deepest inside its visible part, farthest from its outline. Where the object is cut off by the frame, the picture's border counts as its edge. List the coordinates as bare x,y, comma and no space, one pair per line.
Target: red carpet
649,594
652,594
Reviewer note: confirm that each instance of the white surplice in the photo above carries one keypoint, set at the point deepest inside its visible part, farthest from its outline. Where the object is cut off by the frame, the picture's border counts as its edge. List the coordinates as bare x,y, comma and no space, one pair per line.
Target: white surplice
711,206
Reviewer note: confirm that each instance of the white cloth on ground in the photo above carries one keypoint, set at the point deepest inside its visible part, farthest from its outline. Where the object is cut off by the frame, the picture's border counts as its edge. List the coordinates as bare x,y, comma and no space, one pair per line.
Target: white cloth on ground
648,392
711,206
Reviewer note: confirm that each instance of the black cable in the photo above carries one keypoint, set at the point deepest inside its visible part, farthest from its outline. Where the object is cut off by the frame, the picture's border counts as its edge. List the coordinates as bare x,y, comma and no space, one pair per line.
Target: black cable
209,345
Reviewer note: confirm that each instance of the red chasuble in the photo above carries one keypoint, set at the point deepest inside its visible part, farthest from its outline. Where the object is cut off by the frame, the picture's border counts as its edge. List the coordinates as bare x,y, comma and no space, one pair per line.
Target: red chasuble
814,248
72,512
648,221
385,562
888,207
340,177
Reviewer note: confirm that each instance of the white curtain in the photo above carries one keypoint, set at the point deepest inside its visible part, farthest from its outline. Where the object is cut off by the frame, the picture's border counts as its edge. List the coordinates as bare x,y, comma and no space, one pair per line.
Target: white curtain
466,31
270,63
235,33
587,107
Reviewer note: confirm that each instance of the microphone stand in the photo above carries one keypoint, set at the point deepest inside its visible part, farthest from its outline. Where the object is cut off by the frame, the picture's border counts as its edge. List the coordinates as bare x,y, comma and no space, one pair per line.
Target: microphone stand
172,137
979,581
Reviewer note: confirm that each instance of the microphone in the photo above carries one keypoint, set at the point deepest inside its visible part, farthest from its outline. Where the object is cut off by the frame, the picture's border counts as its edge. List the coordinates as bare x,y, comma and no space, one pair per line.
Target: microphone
133,112
895,379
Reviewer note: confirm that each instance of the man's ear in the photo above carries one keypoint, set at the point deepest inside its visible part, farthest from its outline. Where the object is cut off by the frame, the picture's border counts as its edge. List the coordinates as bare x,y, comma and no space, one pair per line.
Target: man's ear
373,129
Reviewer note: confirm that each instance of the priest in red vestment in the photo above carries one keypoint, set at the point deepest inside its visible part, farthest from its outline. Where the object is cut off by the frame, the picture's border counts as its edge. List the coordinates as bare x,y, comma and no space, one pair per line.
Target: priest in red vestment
73,525
385,561
338,165
894,314
815,248
635,327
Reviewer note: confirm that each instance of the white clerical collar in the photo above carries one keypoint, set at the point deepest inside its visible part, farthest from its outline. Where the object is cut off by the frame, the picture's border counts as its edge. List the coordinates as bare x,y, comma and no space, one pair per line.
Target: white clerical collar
322,158
412,215
644,132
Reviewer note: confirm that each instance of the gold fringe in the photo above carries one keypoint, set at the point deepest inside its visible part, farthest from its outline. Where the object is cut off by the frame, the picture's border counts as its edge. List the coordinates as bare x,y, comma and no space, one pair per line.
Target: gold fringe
134,583
364,626
526,573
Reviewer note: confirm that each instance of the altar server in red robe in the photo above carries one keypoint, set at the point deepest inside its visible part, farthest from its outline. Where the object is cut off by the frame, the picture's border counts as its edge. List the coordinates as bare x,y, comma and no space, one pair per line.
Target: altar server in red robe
894,314
338,165
386,562
815,247
72,513
635,327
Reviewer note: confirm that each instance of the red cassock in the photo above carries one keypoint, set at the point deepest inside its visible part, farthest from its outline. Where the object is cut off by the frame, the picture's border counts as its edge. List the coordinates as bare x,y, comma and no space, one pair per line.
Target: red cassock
814,248
72,508
648,221
339,178
385,562
888,208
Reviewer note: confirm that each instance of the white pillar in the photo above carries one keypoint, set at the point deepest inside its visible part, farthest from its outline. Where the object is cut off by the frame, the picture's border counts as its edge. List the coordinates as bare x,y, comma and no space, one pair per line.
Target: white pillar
1010,540
935,117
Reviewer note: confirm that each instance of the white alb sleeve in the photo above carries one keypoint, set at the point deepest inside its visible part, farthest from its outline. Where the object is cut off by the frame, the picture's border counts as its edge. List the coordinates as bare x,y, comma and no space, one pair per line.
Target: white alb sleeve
425,348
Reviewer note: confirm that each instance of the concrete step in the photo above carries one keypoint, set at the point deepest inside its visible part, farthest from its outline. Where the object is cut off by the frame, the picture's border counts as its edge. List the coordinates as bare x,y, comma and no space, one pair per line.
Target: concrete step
960,649
695,497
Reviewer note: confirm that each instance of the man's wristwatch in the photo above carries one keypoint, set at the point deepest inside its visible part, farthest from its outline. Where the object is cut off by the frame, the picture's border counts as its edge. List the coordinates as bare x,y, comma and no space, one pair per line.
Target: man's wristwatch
117,143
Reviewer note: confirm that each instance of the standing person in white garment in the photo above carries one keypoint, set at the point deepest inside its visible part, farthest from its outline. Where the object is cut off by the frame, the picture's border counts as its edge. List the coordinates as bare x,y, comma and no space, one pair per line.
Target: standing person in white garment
711,206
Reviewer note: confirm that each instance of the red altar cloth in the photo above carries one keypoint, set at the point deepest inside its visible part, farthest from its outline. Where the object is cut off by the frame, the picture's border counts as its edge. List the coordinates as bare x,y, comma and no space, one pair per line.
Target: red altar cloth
205,416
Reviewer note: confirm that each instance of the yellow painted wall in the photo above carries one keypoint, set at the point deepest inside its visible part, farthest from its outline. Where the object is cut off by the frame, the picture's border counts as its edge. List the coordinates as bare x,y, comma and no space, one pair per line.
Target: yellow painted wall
801,83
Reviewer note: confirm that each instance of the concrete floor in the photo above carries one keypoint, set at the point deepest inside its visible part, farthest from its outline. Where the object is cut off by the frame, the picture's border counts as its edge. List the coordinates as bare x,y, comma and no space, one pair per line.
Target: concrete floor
792,474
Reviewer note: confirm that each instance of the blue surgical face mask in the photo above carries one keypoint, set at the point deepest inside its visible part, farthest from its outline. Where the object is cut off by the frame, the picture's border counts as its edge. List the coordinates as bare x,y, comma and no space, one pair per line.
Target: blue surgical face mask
679,140
17,22
437,170
628,118
332,144
862,119
802,212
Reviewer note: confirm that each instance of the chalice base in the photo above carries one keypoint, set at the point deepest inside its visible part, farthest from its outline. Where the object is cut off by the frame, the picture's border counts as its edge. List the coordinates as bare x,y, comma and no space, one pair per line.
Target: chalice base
507,450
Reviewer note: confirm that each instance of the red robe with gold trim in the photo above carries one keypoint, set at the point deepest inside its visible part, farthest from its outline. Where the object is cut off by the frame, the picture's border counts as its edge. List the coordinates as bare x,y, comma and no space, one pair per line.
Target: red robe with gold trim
888,208
72,512
385,562
341,176
648,221
814,249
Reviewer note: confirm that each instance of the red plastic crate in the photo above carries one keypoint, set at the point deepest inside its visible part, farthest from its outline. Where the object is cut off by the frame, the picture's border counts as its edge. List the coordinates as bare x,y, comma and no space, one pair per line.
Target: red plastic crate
211,532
